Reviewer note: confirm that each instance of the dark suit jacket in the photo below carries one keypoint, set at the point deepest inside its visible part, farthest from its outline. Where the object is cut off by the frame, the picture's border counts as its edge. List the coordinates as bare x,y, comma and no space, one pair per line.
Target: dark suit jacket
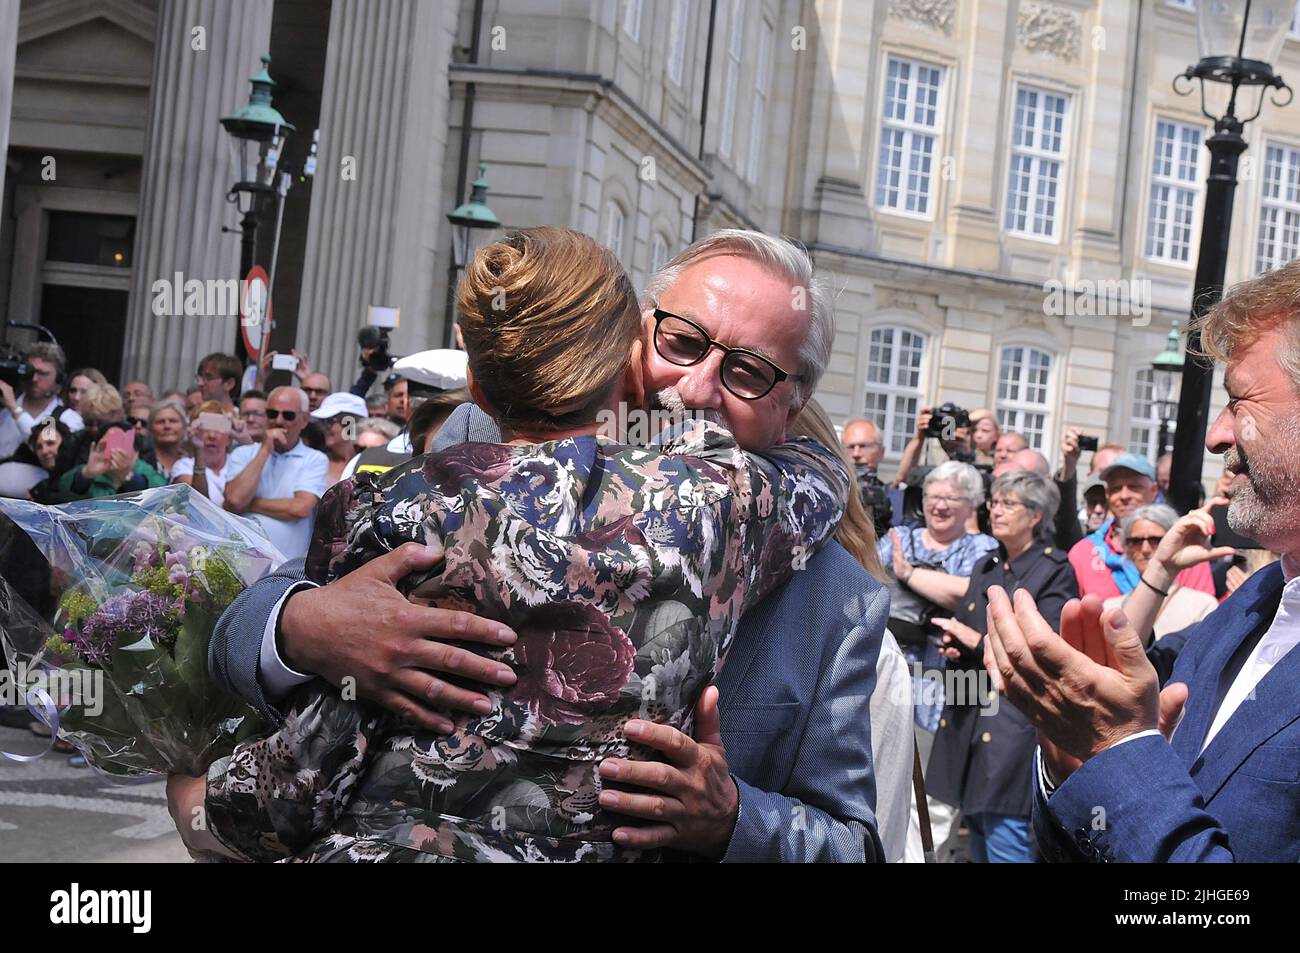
1149,800
794,696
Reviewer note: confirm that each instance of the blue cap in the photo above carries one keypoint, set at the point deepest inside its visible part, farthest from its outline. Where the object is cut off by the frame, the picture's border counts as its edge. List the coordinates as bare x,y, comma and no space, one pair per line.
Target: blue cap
1130,461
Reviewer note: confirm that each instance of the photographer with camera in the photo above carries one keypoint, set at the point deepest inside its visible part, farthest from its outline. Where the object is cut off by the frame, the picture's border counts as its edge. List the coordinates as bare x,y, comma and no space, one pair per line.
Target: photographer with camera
44,367
950,427
862,442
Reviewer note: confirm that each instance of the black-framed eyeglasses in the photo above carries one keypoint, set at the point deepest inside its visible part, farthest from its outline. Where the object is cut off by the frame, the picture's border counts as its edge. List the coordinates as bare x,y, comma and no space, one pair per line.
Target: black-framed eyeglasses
288,415
138,421
683,342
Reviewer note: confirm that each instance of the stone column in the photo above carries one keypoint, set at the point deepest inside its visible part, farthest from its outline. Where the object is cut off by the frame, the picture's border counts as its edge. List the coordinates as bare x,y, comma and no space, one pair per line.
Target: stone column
8,54
377,215
188,169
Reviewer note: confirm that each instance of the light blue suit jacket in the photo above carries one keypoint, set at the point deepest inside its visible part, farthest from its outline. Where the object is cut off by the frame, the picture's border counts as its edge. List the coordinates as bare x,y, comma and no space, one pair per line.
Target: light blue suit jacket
794,697
1150,800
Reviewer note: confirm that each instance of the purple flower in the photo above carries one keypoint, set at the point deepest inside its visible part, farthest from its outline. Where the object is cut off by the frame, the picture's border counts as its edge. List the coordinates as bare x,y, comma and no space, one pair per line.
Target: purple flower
142,612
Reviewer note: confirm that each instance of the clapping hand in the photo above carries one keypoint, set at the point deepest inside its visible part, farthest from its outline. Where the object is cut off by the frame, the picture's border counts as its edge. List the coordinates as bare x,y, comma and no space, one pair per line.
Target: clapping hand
959,639
1188,543
1084,691
902,568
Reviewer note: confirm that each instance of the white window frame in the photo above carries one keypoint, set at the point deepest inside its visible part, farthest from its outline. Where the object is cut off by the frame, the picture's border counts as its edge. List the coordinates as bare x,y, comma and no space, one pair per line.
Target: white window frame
632,19
758,109
1144,394
677,32
895,425
1012,410
1037,157
614,222
1278,214
731,82
658,252
910,132
1176,176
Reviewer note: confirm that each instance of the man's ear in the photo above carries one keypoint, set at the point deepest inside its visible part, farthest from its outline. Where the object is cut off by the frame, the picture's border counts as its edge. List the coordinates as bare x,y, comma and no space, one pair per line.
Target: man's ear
796,408
634,377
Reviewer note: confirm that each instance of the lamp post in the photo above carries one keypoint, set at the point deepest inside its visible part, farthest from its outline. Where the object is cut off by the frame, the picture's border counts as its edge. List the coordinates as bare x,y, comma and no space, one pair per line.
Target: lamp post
474,215
258,132
1166,369
1238,41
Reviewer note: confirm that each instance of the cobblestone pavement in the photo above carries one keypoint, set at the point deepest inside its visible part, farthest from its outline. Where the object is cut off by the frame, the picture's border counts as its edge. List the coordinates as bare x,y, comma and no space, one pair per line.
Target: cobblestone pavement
52,811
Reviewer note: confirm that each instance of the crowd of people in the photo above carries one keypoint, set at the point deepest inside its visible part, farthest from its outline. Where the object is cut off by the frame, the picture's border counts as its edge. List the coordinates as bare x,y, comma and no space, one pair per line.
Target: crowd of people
67,436
993,512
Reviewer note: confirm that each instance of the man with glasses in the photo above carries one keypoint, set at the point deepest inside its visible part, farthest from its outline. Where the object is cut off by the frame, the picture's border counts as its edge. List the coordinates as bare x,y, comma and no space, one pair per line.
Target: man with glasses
317,387
736,325
218,379
863,444
279,481
252,417
39,399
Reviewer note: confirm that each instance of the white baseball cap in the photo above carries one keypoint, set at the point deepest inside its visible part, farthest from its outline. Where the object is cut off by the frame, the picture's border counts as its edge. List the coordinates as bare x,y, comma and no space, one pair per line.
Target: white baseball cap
341,402
443,368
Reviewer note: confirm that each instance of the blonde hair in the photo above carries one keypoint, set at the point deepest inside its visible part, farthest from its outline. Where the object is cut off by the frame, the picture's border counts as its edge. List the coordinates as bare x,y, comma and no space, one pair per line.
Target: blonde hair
1248,308
857,533
548,318
102,402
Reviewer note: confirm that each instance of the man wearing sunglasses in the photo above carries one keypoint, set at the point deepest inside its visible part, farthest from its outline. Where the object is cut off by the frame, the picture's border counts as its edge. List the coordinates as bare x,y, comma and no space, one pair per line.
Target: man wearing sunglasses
279,481
735,325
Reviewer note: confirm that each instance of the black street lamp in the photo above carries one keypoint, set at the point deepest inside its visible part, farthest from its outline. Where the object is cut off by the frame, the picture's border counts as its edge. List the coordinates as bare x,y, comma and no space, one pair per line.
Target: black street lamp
473,216
1238,42
1166,369
258,131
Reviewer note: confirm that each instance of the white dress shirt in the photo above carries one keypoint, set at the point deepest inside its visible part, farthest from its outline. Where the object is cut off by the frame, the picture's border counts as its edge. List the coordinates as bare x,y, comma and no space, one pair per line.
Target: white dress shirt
1281,637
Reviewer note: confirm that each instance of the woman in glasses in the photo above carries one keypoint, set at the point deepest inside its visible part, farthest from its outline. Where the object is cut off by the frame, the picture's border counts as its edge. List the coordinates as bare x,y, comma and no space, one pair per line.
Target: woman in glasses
1161,546
984,751
624,571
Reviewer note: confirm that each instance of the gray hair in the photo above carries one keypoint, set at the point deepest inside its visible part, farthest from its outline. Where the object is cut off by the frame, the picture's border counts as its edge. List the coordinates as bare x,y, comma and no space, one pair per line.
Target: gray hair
961,475
175,406
793,262
1159,513
385,428
1037,492
302,395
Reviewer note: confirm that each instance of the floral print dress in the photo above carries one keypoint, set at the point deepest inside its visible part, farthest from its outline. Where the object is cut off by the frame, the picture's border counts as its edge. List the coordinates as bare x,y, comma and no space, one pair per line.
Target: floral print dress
623,570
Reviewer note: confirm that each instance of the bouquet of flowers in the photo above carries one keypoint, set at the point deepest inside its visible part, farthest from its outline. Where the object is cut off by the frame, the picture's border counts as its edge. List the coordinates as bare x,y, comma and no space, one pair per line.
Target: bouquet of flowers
132,586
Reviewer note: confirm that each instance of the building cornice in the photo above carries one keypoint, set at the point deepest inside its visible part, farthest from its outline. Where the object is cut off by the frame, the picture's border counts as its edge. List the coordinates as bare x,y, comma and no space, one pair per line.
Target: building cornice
603,89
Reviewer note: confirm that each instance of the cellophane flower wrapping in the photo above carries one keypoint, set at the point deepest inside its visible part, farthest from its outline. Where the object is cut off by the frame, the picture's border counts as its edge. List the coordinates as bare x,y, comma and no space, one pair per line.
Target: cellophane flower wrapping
132,589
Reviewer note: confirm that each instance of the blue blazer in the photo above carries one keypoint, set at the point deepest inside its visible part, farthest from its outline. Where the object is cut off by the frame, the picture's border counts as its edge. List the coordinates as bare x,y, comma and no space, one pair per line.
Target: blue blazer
793,696
1154,801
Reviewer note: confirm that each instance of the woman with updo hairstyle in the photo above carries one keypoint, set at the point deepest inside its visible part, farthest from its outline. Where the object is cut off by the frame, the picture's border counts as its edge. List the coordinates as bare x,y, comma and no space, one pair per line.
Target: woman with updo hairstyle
623,570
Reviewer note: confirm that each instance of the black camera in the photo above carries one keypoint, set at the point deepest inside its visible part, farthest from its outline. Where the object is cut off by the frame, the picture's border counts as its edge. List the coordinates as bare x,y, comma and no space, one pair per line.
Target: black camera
945,420
14,369
1087,443
371,337
875,498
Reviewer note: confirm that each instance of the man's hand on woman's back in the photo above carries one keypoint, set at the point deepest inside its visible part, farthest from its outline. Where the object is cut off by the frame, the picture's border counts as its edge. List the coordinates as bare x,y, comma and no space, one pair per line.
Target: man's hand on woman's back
362,628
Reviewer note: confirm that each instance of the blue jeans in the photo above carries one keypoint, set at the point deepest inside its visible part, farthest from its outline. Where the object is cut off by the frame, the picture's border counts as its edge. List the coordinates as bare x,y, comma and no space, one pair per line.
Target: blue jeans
1000,839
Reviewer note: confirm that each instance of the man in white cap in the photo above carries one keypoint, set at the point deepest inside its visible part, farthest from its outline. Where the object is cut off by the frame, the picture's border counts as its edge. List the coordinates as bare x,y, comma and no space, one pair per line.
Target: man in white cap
339,415
426,373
